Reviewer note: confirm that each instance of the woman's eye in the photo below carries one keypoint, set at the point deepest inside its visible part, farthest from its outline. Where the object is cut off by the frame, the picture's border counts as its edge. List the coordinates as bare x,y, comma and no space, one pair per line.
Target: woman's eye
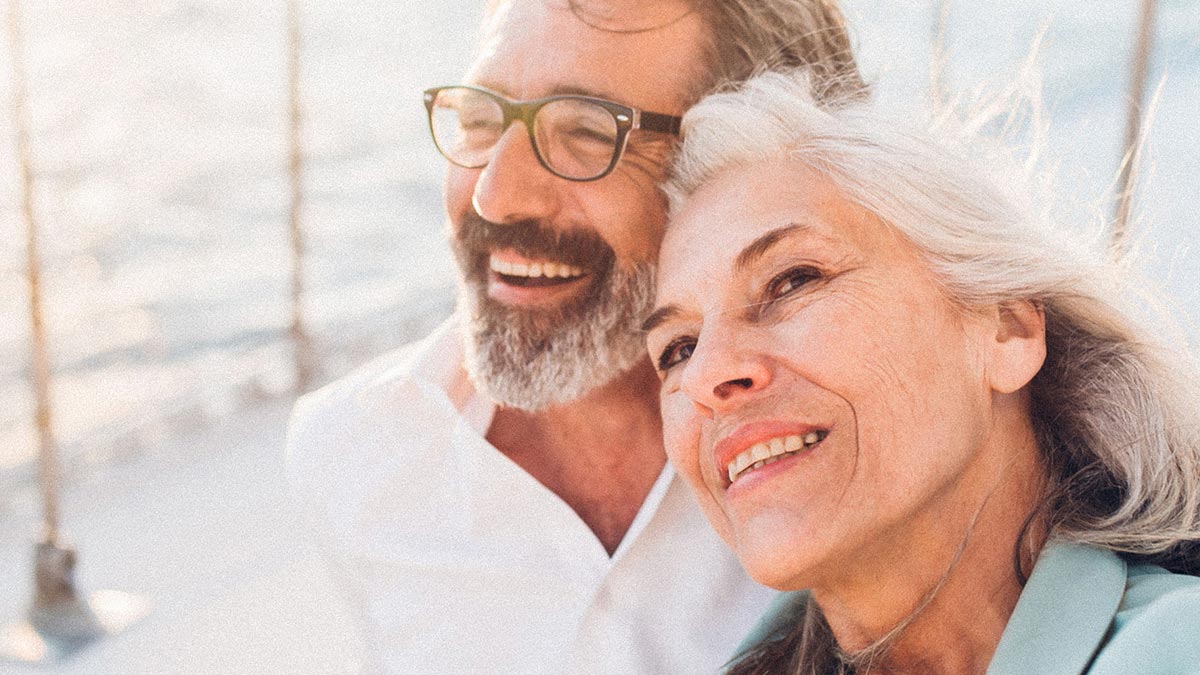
791,280
677,351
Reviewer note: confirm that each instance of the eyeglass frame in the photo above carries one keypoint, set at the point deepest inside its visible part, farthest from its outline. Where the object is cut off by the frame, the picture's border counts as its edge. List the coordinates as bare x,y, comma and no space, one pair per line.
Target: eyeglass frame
626,117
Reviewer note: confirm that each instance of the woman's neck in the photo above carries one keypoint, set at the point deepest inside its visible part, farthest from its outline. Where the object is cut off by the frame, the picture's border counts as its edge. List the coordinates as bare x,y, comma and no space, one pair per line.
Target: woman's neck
938,599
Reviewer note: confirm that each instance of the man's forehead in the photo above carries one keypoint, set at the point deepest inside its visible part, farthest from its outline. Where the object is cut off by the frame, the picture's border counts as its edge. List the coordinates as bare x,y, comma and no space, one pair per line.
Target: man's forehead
533,48
629,16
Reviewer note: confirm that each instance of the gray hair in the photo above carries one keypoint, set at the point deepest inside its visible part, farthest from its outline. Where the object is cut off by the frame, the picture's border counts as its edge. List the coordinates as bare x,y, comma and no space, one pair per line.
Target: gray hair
749,36
1114,406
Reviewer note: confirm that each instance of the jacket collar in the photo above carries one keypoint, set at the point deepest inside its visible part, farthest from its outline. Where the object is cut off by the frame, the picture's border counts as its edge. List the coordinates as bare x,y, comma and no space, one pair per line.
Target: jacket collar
1058,625
1063,613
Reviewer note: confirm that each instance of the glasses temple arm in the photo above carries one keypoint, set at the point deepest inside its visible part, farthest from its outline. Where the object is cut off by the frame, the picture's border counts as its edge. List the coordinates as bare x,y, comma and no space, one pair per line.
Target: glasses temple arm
667,124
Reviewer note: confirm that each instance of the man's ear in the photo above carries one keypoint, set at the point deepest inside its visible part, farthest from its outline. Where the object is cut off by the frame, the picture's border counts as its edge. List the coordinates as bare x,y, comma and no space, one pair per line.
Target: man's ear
1017,350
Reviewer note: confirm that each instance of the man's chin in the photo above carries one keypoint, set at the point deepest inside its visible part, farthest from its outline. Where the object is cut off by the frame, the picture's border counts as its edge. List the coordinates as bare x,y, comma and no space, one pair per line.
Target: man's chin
548,380
534,357
538,359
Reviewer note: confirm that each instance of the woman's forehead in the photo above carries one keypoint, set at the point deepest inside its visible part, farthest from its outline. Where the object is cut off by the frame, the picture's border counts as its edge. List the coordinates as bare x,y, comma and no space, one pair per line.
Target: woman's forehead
751,208
743,203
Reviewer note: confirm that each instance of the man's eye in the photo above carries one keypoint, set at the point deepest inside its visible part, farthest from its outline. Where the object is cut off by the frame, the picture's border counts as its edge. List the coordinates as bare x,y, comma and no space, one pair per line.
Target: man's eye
583,134
677,351
478,123
791,280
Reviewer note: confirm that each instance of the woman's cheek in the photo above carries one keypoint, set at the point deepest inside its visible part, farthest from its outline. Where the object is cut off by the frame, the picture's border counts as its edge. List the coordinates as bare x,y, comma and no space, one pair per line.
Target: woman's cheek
681,435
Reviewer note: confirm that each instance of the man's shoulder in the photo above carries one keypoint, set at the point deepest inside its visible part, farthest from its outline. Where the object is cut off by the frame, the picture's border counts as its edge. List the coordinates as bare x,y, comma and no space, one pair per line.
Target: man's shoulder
337,430
345,394
358,391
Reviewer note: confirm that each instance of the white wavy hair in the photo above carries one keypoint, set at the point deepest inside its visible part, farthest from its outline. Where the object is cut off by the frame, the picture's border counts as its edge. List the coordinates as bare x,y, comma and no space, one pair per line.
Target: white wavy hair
1115,407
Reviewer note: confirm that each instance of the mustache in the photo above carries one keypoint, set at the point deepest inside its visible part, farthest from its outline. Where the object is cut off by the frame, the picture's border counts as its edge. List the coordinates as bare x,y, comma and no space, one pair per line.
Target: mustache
533,239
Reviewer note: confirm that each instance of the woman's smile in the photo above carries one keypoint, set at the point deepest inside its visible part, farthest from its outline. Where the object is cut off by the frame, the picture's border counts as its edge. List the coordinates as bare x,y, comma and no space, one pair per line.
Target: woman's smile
742,455
801,346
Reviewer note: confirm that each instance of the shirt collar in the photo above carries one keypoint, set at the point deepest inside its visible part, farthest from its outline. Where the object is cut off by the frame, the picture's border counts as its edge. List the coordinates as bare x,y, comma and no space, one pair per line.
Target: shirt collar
1063,613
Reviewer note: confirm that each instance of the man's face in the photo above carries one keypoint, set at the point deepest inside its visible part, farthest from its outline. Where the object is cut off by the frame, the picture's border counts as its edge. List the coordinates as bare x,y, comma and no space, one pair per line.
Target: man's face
557,275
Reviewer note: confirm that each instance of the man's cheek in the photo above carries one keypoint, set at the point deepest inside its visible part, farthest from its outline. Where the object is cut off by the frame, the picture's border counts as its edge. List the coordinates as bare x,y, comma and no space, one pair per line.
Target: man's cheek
458,189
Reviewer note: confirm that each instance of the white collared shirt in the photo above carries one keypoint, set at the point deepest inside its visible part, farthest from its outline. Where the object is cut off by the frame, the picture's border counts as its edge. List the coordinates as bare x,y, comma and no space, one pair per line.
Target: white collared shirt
459,562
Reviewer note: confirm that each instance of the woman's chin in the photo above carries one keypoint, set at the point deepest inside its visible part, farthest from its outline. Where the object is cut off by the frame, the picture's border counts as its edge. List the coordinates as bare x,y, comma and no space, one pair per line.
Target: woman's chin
785,547
779,567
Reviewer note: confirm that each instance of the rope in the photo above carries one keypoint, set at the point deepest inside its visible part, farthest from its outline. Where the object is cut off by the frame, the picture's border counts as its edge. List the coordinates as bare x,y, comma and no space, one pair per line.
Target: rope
48,464
299,334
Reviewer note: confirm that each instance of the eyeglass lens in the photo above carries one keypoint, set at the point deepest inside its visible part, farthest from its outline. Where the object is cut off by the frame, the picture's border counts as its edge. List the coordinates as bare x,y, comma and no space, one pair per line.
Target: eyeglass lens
574,138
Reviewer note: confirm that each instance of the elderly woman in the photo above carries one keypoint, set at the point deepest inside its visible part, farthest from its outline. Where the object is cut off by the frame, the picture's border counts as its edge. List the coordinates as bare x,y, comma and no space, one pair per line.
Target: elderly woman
901,394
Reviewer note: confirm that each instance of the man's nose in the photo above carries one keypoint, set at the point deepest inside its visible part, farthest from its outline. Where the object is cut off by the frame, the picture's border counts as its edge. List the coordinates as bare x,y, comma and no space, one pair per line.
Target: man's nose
723,372
514,186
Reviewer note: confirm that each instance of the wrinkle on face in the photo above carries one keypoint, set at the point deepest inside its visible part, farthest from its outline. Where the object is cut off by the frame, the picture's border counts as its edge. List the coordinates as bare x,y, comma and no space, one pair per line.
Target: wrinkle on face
646,161
870,345
629,16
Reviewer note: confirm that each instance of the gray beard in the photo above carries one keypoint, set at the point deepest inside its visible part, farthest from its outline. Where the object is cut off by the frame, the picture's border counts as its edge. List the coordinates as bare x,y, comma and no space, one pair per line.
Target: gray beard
537,360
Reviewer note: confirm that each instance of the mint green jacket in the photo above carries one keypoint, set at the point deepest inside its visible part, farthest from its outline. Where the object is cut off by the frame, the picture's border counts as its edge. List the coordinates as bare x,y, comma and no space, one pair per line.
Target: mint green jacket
1083,610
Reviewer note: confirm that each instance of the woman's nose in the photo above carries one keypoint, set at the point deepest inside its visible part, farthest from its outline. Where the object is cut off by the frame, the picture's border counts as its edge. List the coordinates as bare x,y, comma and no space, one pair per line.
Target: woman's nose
514,186
723,372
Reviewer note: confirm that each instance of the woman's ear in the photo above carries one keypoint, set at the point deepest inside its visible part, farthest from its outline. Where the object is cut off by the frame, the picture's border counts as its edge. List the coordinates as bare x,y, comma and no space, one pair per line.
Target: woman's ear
1018,349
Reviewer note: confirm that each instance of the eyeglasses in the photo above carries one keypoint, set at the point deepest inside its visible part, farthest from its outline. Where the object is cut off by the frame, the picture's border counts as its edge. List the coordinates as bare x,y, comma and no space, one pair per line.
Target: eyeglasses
579,138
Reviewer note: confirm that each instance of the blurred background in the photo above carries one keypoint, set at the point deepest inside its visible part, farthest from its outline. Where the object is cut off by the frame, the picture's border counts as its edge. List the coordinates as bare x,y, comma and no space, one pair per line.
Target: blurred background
159,138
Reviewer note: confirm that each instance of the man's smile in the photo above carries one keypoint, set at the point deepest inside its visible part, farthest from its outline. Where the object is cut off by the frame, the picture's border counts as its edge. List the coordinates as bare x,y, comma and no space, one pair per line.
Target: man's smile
521,271
514,279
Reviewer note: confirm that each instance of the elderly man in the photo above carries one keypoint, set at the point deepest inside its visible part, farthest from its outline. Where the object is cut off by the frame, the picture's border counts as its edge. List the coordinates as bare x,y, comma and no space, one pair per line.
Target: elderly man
497,495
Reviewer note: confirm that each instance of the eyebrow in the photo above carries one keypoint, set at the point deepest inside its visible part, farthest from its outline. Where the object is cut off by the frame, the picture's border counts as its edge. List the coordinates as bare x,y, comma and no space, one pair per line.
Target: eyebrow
575,90
556,90
659,317
749,255
760,246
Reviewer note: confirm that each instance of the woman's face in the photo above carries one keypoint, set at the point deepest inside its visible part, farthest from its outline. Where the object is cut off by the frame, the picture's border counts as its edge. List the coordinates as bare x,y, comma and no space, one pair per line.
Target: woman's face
794,325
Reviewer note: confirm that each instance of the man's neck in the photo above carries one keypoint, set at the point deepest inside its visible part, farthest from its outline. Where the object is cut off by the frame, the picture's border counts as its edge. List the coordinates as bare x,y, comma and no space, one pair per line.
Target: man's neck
601,454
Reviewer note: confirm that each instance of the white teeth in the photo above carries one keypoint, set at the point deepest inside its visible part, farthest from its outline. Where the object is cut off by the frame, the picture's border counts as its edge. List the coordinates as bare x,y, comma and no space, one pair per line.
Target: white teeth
547,269
743,461
772,450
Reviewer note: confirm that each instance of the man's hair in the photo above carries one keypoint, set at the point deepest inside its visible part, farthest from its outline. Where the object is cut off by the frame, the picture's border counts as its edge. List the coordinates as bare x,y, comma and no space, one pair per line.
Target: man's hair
1114,408
751,36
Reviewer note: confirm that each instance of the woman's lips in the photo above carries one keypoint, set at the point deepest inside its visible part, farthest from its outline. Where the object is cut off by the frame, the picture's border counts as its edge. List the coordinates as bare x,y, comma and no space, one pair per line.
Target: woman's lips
755,446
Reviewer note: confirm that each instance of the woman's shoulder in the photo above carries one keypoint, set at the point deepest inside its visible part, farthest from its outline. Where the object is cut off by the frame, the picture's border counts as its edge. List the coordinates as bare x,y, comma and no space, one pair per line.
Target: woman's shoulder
1150,589
1157,626
780,617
